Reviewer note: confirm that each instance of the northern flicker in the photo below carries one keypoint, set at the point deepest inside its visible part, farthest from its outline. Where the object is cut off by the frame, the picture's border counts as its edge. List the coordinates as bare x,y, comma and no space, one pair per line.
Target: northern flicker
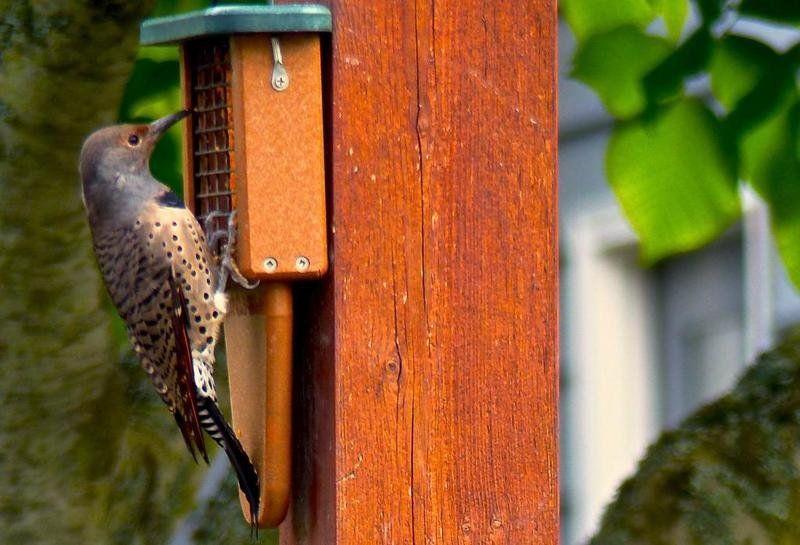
165,281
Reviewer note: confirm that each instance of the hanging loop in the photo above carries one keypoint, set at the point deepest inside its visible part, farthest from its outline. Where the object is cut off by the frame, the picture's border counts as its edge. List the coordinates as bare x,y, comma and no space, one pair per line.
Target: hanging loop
280,77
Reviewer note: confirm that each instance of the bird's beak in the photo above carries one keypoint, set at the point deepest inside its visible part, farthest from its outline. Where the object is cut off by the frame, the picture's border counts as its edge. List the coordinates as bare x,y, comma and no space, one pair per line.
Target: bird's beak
160,126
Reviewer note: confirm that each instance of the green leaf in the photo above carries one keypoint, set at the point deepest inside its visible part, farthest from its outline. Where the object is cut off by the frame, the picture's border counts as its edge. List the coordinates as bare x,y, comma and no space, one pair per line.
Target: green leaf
771,165
674,13
665,81
710,10
737,65
782,11
762,101
674,178
589,17
613,64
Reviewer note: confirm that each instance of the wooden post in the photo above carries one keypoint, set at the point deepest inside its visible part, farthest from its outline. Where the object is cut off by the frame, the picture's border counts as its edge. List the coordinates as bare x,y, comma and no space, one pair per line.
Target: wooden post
426,402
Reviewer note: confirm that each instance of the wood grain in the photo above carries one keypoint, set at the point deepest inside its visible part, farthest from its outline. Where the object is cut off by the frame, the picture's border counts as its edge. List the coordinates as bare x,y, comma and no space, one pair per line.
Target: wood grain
428,357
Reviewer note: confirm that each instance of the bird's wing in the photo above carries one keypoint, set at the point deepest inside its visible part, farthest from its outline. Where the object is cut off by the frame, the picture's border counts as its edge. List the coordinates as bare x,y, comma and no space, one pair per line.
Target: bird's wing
156,271
180,237
177,235
187,420
139,280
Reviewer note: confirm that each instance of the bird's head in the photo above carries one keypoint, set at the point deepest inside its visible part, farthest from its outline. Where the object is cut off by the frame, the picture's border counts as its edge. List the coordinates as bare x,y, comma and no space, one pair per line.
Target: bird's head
123,149
114,162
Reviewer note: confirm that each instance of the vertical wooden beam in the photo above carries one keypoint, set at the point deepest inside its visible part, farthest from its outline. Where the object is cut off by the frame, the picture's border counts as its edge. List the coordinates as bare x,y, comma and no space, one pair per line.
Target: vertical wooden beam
427,402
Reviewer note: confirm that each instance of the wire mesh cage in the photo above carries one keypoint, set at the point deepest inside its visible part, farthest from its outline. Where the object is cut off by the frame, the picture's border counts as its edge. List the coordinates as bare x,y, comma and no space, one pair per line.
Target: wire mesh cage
208,66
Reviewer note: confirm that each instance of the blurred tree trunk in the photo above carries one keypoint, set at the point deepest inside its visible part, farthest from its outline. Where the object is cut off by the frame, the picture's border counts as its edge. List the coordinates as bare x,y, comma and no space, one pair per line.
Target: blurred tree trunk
63,66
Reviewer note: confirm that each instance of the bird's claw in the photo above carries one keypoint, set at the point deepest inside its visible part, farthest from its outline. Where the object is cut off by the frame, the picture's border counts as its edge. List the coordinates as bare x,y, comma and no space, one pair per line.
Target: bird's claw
214,240
208,227
227,264
236,275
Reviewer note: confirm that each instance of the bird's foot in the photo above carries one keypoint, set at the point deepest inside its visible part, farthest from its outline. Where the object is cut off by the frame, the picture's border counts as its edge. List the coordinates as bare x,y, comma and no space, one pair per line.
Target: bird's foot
227,265
214,237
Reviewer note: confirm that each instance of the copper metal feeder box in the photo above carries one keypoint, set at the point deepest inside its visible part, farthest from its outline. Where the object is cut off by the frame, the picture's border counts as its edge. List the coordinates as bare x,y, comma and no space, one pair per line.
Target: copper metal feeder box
254,144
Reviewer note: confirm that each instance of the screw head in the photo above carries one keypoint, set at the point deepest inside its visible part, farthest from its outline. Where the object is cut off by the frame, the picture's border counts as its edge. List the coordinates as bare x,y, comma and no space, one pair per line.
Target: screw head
270,264
280,78
302,263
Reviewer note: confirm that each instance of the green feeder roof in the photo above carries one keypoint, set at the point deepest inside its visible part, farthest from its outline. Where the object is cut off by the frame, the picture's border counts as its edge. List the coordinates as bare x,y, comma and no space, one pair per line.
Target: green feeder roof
231,19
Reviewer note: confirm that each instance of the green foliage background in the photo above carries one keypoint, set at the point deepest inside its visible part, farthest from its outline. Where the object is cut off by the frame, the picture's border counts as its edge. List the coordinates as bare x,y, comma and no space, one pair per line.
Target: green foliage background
675,161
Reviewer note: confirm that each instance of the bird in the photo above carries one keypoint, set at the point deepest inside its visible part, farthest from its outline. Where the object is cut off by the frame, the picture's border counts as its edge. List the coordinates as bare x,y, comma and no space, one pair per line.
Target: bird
165,282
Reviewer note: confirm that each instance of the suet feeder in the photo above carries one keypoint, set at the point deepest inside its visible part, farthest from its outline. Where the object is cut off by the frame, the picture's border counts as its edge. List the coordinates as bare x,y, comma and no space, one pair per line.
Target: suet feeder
254,144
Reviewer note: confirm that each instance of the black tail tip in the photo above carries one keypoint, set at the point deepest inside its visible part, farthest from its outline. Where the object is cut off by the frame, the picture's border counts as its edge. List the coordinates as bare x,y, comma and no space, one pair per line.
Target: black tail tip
253,524
253,517
250,486
245,470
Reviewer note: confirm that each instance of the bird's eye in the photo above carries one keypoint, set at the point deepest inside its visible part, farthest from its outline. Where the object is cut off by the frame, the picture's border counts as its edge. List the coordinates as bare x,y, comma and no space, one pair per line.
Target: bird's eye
133,140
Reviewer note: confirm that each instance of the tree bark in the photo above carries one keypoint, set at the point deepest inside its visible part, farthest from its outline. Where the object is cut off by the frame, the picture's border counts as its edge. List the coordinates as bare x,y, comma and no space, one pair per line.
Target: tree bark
63,67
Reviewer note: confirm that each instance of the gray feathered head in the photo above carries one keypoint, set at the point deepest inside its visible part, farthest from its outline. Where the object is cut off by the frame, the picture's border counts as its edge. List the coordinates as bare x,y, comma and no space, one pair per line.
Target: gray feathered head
114,166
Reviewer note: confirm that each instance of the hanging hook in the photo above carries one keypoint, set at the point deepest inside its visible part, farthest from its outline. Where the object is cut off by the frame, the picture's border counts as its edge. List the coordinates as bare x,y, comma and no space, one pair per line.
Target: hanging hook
280,77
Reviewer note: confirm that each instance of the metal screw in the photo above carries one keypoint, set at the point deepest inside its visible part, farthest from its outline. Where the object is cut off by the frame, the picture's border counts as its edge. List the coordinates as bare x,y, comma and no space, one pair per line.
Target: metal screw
280,82
302,263
270,264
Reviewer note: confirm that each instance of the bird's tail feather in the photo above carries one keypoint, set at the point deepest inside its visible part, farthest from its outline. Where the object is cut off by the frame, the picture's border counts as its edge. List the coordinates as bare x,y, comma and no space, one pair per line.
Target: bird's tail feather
213,422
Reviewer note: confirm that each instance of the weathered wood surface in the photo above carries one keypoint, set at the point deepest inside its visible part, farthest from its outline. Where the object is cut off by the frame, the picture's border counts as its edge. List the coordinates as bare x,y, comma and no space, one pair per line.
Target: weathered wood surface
427,399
